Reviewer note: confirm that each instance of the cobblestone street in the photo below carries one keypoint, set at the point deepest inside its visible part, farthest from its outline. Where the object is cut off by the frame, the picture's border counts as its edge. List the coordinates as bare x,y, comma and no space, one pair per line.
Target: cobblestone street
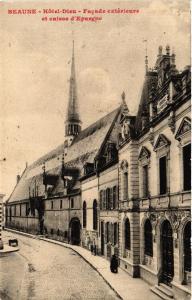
48,271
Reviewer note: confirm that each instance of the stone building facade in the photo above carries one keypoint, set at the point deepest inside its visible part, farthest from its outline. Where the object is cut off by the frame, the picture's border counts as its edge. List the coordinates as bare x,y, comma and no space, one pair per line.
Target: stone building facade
122,185
155,182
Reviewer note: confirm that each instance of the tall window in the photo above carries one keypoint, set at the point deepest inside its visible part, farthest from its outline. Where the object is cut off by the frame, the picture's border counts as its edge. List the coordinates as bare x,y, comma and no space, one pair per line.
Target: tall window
163,175
84,214
127,235
101,200
104,199
114,197
111,198
187,167
95,215
107,232
107,198
125,185
187,247
115,233
148,250
145,181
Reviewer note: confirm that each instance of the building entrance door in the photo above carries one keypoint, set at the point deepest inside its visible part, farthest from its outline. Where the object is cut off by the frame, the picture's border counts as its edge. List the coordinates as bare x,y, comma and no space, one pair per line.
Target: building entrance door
167,253
75,231
102,238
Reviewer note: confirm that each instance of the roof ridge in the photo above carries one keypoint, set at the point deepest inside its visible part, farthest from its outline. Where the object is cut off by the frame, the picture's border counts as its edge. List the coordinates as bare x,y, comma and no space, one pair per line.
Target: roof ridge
47,156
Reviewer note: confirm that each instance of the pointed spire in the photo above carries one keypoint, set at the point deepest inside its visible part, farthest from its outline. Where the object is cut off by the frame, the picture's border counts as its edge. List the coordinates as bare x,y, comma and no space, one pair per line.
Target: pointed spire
72,118
72,111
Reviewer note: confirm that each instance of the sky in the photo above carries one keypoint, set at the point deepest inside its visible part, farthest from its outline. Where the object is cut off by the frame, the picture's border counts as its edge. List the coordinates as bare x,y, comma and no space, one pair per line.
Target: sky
35,59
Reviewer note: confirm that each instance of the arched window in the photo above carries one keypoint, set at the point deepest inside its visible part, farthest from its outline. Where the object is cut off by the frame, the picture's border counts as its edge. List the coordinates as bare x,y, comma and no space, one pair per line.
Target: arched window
127,235
95,215
84,214
187,247
148,235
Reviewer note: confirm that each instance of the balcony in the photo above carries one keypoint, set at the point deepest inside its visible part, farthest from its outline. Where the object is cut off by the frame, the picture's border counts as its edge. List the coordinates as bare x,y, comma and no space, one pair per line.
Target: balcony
171,200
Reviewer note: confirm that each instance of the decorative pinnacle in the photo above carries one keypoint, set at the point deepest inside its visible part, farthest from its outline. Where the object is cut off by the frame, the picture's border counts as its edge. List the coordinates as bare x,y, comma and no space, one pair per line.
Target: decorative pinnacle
160,50
124,104
168,50
123,96
146,56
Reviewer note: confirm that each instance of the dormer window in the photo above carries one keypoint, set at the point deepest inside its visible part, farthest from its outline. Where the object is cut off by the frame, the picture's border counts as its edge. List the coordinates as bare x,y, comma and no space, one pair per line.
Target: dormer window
88,168
111,152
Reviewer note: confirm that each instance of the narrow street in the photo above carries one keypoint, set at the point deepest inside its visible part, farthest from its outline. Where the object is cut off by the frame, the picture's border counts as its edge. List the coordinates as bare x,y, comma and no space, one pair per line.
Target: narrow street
40,270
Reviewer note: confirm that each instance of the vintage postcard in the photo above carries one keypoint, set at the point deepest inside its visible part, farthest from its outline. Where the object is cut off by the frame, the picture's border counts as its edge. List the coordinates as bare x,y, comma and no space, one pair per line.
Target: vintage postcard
95,153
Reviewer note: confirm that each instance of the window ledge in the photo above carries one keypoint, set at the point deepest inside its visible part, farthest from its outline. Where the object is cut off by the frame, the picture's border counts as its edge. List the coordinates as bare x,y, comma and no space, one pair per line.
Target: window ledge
186,192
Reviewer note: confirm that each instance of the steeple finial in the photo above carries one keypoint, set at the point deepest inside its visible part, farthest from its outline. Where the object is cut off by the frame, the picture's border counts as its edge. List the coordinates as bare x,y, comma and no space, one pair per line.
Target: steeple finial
72,119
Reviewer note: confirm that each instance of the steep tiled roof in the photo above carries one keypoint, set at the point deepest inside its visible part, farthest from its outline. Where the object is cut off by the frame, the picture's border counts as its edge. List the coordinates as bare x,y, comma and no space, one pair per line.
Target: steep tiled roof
144,100
83,149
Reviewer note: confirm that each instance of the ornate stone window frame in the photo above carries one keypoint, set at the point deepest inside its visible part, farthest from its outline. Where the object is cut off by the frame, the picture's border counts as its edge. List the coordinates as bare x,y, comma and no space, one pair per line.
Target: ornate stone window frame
144,160
162,148
183,136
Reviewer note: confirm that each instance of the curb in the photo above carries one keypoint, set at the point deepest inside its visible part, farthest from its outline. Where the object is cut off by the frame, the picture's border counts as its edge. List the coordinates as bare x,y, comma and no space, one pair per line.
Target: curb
68,246
2,252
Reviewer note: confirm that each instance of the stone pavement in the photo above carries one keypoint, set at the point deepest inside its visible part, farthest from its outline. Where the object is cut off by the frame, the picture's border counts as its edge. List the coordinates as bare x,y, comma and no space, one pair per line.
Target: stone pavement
125,286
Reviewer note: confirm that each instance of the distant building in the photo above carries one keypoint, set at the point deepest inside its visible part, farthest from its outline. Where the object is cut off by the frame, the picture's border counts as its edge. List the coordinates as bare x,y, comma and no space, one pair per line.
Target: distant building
122,185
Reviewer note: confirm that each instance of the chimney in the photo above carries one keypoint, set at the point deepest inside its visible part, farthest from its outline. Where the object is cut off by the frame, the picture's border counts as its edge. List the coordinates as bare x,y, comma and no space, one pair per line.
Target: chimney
18,178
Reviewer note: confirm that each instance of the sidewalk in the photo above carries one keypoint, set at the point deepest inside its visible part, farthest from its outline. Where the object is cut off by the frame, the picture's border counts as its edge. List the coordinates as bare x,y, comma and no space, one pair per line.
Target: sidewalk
126,287
8,249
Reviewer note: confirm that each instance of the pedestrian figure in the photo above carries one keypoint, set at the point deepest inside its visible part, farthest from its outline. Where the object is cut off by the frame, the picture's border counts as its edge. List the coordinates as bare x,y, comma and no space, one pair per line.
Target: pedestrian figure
114,264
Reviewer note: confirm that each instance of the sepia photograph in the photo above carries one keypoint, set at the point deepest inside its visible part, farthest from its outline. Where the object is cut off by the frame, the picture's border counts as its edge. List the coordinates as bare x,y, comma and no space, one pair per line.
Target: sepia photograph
95,152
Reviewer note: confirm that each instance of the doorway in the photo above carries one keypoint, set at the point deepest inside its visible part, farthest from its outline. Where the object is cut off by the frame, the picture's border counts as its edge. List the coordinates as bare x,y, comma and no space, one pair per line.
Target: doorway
102,238
75,231
167,253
